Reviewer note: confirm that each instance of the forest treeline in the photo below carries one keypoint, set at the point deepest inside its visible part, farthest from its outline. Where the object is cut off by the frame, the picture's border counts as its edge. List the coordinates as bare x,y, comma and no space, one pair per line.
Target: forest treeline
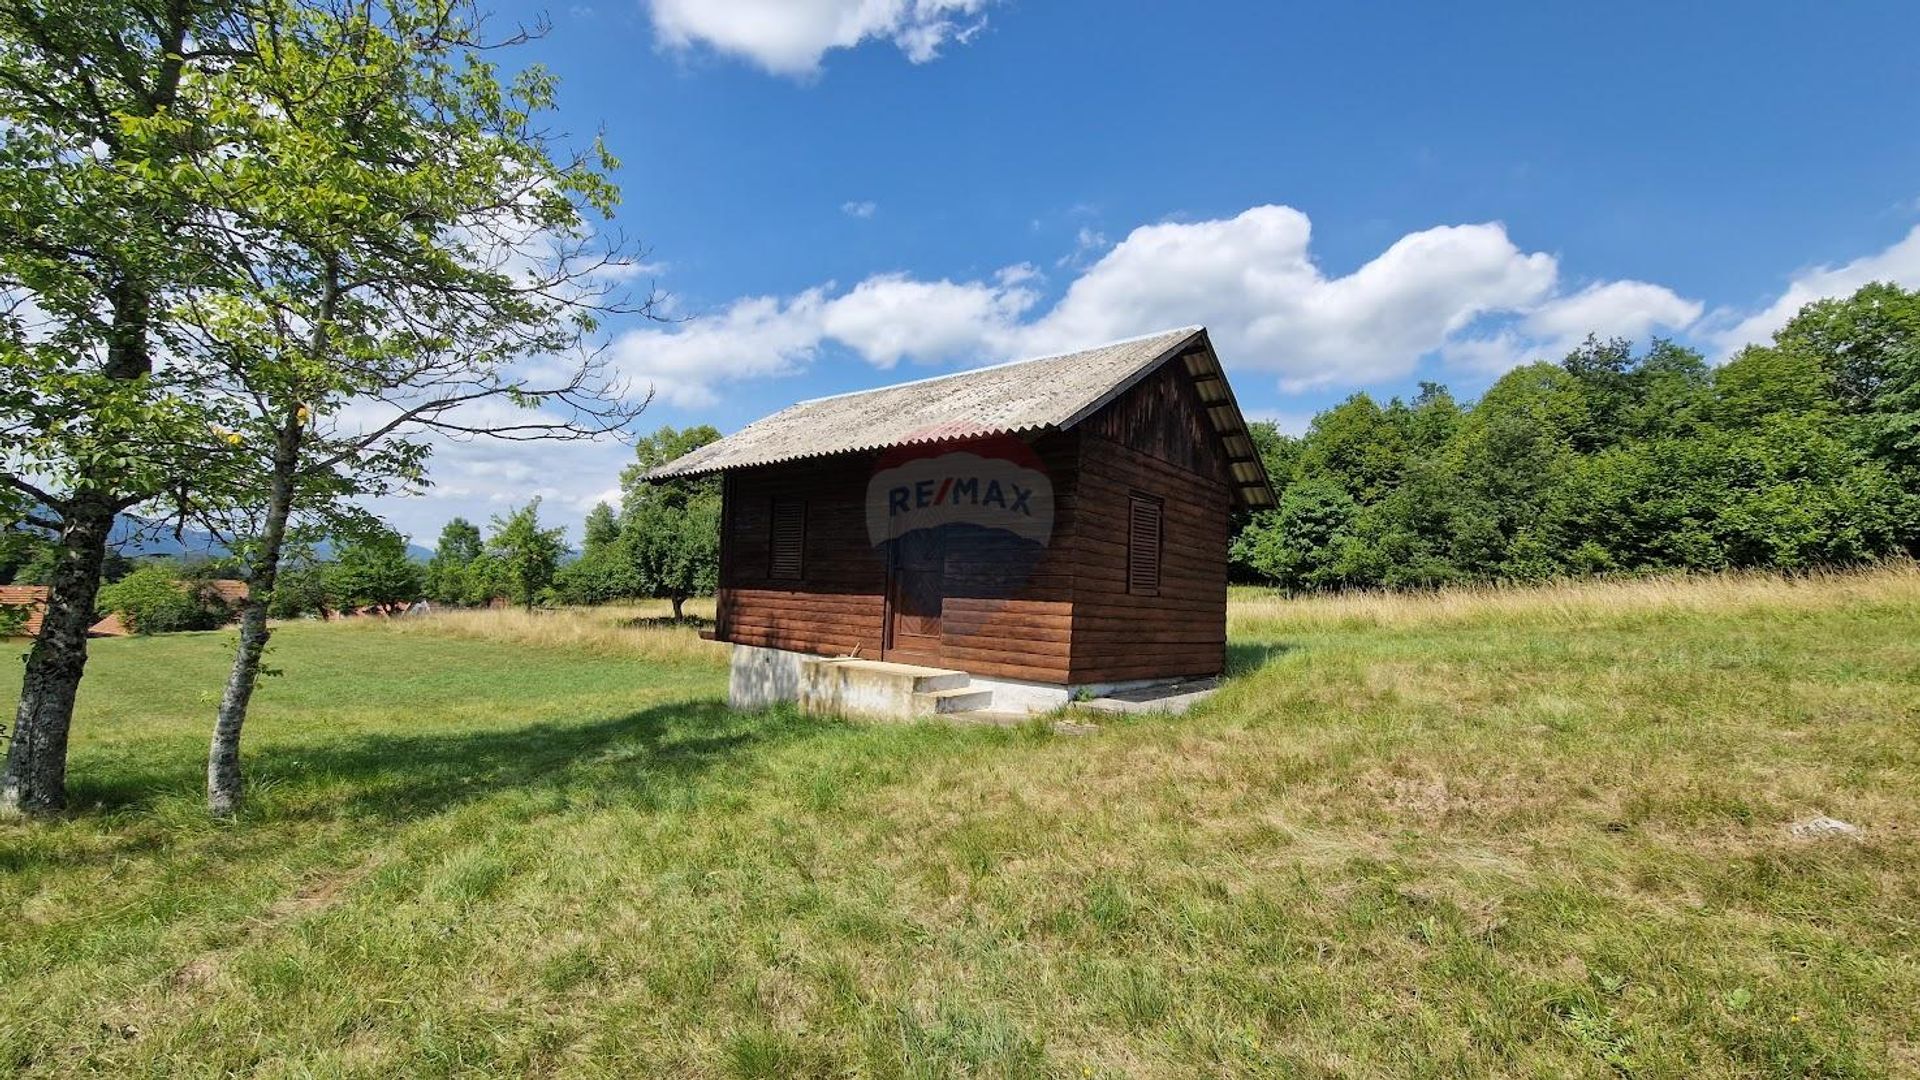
1798,453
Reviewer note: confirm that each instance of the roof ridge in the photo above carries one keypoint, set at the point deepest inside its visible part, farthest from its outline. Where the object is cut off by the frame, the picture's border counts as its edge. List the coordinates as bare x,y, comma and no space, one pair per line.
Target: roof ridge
1169,332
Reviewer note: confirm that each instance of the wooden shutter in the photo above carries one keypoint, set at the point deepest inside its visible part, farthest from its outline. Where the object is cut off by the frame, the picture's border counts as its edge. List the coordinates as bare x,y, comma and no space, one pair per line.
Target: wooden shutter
789,538
1143,545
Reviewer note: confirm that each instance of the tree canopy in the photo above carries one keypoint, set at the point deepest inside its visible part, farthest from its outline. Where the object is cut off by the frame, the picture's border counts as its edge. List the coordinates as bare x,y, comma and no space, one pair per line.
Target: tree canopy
1793,454
376,571
671,530
527,554
256,253
457,573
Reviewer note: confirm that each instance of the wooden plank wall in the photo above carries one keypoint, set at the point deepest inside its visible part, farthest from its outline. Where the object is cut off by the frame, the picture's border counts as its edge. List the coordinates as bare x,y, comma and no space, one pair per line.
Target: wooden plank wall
838,606
835,607
1025,631
1155,440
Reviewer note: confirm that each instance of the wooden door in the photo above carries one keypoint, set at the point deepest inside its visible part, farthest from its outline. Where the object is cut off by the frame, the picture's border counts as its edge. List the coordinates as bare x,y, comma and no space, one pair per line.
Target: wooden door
916,589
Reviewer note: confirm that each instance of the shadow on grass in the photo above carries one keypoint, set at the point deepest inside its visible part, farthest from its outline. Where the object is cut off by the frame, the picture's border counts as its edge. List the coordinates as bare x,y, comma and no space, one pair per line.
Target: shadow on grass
393,778
1247,657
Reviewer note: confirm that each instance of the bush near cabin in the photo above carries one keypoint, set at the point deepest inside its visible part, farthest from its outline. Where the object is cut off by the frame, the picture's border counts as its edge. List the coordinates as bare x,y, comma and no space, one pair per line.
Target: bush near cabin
155,599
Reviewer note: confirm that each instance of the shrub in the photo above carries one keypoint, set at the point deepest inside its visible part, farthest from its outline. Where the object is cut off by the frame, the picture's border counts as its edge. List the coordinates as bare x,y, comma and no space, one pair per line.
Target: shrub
603,574
154,600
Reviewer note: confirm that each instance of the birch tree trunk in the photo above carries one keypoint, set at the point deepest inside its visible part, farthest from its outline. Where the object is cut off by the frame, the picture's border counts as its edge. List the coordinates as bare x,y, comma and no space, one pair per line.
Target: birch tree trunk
35,780
224,785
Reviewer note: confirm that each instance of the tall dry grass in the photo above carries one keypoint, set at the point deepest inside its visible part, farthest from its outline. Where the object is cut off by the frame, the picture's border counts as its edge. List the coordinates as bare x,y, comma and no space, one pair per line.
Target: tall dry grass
643,629
1259,612
624,630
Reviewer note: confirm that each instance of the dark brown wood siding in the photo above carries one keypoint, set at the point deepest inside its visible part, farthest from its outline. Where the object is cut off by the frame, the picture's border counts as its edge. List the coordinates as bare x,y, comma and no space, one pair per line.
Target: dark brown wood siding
1152,442
991,625
1018,628
834,606
1062,614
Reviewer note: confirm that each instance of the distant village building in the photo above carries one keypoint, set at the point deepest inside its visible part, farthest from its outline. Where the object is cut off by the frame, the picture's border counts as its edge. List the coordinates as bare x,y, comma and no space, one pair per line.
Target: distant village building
1003,538
33,600
230,593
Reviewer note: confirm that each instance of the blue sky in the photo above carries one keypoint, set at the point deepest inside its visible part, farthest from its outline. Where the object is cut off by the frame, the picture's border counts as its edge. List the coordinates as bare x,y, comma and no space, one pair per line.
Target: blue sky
839,194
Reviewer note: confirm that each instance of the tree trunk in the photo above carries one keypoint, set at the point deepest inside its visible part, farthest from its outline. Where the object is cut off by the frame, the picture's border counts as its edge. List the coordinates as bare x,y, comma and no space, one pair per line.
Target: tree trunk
36,777
36,774
223,755
224,786
678,616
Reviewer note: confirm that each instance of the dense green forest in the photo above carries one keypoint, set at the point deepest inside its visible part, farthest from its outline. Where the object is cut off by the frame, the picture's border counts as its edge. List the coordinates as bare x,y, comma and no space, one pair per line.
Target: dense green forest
1798,453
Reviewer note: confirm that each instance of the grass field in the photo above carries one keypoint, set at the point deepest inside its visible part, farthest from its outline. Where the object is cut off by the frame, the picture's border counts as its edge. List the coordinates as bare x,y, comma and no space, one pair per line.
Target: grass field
1522,832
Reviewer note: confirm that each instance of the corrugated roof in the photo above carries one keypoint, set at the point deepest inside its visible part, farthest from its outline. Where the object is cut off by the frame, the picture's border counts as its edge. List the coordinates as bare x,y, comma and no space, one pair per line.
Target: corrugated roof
31,597
229,590
34,598
1007,399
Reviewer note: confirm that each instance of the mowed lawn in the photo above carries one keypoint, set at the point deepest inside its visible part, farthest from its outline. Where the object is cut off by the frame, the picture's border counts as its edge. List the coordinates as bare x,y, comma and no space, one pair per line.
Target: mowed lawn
1525,833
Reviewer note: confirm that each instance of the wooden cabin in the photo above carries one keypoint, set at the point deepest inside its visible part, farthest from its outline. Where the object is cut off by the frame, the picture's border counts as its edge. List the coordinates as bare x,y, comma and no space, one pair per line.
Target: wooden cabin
1040,528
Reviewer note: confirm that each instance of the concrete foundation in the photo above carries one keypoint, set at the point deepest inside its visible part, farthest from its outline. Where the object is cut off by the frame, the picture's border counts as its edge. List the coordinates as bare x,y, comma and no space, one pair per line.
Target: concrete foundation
1014,695
874,689
760,678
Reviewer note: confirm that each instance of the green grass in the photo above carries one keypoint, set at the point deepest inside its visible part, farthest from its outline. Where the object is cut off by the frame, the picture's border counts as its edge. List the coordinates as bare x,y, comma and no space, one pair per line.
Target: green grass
1534,838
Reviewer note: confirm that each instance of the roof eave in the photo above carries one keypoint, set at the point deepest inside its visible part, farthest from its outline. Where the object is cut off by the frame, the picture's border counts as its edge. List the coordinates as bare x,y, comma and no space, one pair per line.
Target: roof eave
1255,495
666,472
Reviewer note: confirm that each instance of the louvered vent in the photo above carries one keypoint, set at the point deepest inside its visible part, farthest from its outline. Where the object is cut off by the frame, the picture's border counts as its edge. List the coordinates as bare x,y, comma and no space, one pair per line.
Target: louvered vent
1143,545
789,538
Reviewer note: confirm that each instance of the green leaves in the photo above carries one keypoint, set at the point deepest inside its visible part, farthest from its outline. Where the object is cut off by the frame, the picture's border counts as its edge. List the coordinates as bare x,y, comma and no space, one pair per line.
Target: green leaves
1797,454
374,570
528,555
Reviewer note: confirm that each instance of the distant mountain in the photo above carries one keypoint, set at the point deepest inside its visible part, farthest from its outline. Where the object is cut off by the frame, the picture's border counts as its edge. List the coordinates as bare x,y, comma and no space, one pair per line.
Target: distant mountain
135,537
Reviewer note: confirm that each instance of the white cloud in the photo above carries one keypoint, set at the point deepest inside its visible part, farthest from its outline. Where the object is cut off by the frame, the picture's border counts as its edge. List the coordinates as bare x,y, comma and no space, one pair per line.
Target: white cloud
1464,292
885,318
1898,263
1290,421
482,478
477,477
891,316
757,337
1088,243
864,208
1252,280
789,37
1627,309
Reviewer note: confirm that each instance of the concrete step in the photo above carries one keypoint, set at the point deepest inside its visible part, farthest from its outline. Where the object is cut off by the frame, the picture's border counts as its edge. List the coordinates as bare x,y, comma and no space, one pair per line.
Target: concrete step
946,680
952,700
922,679
1172,698
876,688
